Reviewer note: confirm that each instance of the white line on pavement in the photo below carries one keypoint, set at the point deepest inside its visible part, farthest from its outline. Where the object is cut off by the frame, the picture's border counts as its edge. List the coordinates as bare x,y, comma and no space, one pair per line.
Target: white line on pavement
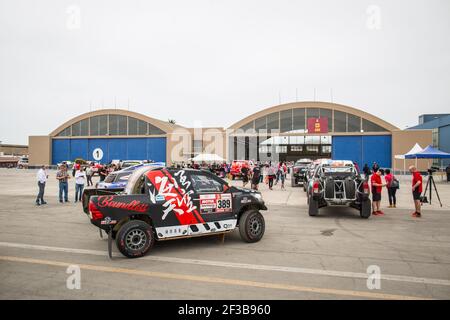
222,264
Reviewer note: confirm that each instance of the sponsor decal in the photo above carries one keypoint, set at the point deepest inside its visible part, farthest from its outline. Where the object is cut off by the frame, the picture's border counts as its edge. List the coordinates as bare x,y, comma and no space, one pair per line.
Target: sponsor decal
216,203
176,195
108,221
134,205
245,200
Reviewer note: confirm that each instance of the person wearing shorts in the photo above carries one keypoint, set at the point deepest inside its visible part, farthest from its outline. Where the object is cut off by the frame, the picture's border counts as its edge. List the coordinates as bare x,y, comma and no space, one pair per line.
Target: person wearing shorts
416,191
377,186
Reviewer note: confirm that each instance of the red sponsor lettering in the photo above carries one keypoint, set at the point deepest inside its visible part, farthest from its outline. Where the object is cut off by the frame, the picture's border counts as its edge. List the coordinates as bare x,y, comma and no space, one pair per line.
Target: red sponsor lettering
134,205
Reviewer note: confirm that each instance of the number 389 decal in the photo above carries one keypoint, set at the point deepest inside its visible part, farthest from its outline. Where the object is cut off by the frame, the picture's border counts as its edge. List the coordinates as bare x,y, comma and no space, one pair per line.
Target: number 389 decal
224,204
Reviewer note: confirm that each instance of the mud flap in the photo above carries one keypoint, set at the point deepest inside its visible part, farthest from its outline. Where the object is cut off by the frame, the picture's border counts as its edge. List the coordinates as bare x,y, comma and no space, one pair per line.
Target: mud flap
110,239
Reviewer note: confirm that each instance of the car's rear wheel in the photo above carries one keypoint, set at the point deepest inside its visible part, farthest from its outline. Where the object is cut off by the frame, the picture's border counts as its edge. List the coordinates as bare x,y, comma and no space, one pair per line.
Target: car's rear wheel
252,226
135,239
313,208
366,209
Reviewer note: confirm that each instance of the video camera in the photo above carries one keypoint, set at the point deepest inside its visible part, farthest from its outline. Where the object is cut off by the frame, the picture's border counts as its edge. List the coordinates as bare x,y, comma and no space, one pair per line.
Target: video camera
432,170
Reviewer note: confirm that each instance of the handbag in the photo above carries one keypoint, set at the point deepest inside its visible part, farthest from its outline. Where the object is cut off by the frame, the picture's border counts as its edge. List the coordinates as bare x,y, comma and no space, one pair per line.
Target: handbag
395,183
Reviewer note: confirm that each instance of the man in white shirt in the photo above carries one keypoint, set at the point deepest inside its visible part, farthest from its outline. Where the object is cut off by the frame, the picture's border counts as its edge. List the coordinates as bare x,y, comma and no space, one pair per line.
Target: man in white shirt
80,179
42,177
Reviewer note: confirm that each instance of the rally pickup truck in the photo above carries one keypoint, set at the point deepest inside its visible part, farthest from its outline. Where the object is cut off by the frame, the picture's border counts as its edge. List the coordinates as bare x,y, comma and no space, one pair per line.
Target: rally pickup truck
169,203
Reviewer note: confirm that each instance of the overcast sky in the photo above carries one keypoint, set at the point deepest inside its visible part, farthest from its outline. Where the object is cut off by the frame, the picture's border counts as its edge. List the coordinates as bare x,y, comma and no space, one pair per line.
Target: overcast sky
218,61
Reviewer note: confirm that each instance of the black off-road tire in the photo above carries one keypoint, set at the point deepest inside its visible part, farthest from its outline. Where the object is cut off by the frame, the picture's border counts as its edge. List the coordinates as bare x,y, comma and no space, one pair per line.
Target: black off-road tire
313,208
135,239
251,226
366,209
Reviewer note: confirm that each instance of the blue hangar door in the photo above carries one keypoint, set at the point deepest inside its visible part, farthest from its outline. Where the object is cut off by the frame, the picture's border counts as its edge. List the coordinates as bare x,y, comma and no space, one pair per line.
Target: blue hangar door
363,149
109,149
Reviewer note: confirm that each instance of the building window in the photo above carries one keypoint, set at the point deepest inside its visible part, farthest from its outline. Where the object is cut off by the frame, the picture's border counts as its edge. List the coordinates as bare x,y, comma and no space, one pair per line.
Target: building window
98,125
369,126
152,130
286,120
264,149
261,124
327,113
312,139
248,126
340,121
326,149
312,149
132,126
273,121
76,129
117,125
281,149
142,128
353,123
297,148
299,120
66,132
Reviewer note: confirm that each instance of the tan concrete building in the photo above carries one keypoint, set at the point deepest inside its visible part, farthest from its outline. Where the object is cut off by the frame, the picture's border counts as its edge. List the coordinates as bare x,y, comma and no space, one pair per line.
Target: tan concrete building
284,132
13,150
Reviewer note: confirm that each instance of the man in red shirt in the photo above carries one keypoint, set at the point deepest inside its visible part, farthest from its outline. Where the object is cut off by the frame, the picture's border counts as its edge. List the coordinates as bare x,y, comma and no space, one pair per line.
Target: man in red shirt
416,190
377,186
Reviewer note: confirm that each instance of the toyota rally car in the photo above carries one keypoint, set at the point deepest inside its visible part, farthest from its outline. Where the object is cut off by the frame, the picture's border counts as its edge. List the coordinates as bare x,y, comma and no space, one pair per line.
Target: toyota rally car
168,203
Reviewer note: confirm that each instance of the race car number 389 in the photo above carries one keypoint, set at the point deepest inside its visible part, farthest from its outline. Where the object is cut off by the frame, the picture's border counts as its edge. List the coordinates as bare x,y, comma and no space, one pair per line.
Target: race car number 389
215,203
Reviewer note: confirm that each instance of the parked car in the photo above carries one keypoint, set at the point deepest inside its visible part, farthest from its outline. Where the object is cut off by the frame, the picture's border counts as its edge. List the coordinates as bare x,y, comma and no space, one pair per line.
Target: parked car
22,163
299,171
236,166
338,183
118,180
169,203
310,171
129,163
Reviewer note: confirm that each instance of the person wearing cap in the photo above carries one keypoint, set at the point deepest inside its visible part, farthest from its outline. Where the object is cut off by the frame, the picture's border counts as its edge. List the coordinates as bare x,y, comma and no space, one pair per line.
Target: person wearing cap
62,176
42,177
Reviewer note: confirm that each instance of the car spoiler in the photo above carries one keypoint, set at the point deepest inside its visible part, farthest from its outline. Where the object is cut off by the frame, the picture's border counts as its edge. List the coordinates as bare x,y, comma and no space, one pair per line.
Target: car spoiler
89,192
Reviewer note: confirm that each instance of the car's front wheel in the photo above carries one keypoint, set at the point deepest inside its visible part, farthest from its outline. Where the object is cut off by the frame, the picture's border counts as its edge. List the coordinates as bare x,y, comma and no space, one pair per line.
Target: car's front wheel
135,239
252,226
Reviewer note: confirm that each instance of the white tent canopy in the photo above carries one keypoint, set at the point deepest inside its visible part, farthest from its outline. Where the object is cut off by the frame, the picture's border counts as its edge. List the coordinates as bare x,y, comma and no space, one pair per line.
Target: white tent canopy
207,157
414,150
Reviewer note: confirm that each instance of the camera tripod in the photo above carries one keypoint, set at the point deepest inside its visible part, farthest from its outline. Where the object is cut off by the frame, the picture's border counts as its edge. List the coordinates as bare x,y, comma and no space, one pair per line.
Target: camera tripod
429,186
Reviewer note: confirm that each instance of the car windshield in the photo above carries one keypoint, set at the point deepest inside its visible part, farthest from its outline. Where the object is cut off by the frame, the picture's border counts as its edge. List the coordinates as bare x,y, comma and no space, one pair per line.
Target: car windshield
123,176
110,178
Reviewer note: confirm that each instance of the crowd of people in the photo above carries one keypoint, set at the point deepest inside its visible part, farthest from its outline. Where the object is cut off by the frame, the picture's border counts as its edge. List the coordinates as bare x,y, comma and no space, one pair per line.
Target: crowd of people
269,173
392,184
82,174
